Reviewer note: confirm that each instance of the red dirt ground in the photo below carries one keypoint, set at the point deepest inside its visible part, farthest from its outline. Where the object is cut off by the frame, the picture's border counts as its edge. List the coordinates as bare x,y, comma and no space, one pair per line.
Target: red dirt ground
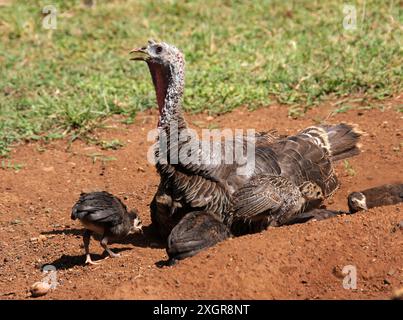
295,262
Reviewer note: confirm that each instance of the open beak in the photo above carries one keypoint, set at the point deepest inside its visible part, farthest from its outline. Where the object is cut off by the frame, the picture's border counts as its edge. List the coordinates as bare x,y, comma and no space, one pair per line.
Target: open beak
139,54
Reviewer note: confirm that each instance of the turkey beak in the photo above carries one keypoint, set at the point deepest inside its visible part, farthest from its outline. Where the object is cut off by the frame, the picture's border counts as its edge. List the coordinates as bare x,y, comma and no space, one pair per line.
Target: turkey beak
140,54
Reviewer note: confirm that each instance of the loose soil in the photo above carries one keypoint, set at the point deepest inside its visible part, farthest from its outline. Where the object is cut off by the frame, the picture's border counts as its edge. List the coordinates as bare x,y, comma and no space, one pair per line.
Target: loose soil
294,262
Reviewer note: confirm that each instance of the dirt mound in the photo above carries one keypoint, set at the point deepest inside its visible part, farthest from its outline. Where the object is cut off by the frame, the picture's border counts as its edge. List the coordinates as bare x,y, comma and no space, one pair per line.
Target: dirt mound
301,261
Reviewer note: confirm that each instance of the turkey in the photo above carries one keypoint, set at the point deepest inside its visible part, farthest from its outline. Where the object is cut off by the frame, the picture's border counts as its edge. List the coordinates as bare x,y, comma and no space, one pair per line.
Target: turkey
384,195
284,177
106,215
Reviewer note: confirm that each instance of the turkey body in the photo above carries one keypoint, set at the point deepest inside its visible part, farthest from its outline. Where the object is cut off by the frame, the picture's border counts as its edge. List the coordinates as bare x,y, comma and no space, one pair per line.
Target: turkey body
280,178
282,163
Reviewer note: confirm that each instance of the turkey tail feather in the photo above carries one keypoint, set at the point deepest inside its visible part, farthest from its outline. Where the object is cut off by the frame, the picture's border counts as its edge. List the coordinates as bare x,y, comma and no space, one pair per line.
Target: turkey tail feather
340,141
343,139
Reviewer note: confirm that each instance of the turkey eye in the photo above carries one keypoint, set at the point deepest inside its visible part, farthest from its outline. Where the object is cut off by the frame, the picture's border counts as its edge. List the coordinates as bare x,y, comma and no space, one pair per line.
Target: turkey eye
158,49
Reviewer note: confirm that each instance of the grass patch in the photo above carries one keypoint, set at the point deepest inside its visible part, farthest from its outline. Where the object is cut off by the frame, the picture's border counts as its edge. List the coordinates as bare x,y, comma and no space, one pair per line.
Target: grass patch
100,157
348,168
113,144
62,82
343,109
8,165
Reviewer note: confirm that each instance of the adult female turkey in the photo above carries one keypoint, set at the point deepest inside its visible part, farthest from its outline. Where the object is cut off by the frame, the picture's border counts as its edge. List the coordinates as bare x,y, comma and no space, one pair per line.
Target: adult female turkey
289,173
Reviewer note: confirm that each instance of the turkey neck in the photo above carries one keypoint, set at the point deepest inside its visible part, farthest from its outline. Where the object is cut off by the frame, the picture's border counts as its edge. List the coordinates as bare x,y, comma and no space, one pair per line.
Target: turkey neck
169,84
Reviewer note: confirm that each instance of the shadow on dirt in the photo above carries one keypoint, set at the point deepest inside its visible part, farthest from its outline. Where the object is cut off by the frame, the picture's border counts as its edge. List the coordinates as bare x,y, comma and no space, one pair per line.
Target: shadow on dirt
166,263
148,239
75,232
67,262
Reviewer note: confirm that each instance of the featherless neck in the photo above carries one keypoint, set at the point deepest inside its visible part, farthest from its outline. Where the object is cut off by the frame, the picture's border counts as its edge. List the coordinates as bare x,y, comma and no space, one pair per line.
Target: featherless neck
169,84
172,110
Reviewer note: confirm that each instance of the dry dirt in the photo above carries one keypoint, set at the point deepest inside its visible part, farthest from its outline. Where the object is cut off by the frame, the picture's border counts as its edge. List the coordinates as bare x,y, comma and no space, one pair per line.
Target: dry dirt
296,262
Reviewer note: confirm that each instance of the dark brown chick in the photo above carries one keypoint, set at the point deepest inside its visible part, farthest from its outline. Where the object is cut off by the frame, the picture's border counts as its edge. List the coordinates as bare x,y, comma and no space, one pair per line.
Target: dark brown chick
106,215
384,195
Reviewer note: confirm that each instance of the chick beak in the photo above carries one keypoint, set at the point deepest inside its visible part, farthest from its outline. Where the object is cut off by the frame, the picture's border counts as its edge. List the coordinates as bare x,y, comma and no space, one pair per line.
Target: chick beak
139,228
139,54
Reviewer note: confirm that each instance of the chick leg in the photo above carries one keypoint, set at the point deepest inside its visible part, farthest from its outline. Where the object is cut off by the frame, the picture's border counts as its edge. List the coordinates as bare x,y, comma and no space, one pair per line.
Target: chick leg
86,240
104,244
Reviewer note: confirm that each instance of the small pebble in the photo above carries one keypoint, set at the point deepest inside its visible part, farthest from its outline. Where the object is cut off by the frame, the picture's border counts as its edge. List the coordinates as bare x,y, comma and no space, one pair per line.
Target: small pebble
338,272
398,294
39,289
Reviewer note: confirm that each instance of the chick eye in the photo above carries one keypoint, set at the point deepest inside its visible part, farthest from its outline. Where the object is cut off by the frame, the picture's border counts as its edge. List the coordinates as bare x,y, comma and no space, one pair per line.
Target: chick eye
158,49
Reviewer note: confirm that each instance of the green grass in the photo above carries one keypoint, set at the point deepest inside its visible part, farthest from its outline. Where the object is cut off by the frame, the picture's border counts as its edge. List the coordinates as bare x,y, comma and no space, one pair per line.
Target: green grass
348,168
62,82
113,144
8,165
99,156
